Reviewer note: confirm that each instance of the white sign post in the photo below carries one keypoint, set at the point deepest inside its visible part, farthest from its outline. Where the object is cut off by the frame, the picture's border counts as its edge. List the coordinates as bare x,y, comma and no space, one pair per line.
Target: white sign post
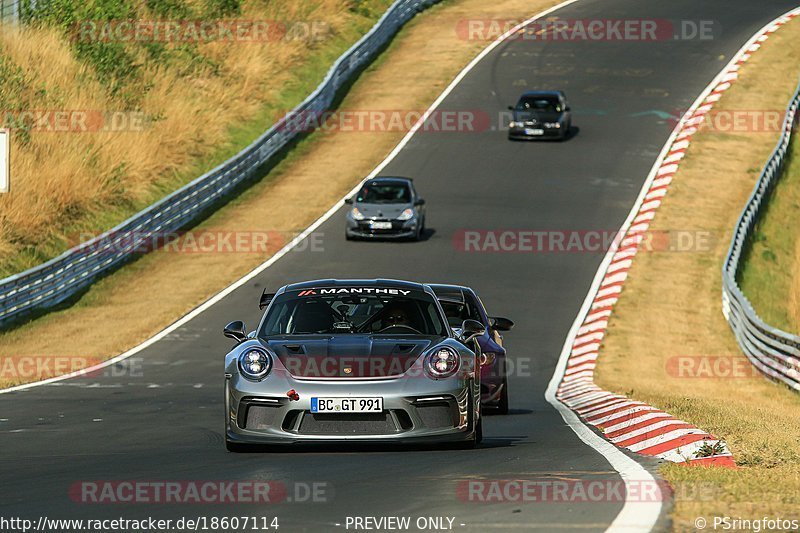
5,165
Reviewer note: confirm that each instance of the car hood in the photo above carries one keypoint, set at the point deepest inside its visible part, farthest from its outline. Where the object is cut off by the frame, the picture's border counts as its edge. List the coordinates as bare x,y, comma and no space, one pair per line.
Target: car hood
350,356
524,116
382,210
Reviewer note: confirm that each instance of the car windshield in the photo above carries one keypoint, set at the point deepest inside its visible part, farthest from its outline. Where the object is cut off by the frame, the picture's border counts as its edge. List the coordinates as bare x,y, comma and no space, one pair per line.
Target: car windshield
384,193
355,310
547,104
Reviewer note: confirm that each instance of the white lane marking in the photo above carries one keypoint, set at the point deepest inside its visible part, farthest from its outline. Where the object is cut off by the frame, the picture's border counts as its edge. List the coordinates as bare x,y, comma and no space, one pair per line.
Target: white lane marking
634,516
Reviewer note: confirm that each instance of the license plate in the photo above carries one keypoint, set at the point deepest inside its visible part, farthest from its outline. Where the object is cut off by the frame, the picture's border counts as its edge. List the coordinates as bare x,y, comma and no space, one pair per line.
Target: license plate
380,225
347,405
529,131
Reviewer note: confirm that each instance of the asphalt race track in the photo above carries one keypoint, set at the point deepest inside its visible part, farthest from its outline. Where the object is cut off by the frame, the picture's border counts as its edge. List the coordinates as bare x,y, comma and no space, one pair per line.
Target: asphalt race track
165,423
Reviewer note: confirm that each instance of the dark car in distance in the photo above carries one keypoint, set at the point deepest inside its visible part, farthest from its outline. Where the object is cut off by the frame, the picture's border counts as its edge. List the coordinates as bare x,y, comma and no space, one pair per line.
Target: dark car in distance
461,303
385,208
540,115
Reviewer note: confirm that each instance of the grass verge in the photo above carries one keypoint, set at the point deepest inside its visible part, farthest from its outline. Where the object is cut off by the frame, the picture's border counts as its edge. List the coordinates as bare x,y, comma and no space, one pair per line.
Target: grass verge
145,296
670,309
155,114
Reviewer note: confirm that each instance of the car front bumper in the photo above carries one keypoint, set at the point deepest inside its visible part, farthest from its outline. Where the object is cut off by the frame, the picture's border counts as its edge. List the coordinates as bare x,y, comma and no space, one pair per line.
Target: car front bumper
531,132
414,410
399,230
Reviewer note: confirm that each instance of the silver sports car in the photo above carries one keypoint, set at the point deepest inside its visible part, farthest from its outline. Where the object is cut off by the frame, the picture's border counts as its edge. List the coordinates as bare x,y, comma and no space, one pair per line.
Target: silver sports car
352,360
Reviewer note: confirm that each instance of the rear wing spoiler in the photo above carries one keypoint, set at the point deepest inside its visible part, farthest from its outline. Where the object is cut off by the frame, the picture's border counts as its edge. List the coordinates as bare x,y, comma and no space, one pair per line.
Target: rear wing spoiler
266,298
450,300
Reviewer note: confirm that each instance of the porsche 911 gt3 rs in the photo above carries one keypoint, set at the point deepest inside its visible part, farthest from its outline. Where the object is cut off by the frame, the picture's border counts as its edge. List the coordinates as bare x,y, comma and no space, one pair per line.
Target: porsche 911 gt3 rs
352,360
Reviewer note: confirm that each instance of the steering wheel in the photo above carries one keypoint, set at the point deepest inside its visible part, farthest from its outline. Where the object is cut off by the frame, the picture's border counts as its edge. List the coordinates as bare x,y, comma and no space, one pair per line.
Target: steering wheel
398,326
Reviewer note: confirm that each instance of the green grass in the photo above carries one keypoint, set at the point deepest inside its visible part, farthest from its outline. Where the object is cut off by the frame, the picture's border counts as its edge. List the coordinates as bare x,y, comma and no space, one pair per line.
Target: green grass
770,263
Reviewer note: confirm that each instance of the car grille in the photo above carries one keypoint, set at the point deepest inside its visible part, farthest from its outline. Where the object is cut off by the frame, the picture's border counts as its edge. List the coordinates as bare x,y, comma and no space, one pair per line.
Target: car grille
438,415
350,424
260,417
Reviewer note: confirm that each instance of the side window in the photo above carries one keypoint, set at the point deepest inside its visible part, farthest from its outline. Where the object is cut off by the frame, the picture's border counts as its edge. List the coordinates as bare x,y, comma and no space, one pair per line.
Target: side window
475,306
278,322
432,317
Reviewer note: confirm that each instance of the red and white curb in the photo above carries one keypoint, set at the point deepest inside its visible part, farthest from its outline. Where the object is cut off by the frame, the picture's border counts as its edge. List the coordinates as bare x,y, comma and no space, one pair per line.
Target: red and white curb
627,423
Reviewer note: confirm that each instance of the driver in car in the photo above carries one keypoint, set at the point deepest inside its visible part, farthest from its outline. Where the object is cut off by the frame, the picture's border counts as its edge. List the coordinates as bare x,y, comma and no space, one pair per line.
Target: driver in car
395,315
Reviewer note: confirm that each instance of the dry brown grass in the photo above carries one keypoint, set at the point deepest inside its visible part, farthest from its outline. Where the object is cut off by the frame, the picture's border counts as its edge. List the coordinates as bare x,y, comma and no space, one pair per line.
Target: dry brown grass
178,282
671,307
64,183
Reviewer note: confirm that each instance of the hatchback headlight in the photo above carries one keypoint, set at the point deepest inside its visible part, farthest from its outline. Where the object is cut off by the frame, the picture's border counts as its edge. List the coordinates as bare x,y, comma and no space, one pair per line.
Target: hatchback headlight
255,364
514,124
356,214
407,214
555,125
442,362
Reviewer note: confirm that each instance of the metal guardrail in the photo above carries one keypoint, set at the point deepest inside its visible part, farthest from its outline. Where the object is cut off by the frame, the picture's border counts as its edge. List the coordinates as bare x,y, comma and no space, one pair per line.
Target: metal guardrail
9,12
774,352
57,280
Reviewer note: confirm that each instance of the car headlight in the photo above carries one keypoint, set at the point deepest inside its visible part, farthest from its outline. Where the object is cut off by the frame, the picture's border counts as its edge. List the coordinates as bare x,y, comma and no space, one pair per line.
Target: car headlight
555,125
442,362
513,124
407,214
356,214
255,364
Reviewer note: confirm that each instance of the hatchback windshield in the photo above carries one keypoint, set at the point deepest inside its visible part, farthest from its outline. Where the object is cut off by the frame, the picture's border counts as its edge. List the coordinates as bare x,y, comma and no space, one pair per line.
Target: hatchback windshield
320,312
543,104
384,193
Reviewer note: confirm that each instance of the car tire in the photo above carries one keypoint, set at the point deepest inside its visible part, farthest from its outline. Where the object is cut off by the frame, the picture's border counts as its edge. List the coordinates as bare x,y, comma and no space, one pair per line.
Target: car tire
348,237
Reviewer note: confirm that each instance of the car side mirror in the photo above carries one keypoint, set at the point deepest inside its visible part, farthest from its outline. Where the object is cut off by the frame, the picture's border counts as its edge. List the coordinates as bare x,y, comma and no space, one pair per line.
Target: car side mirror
511,108
499,323
471,329
568,108
420,201
348,201
236,331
